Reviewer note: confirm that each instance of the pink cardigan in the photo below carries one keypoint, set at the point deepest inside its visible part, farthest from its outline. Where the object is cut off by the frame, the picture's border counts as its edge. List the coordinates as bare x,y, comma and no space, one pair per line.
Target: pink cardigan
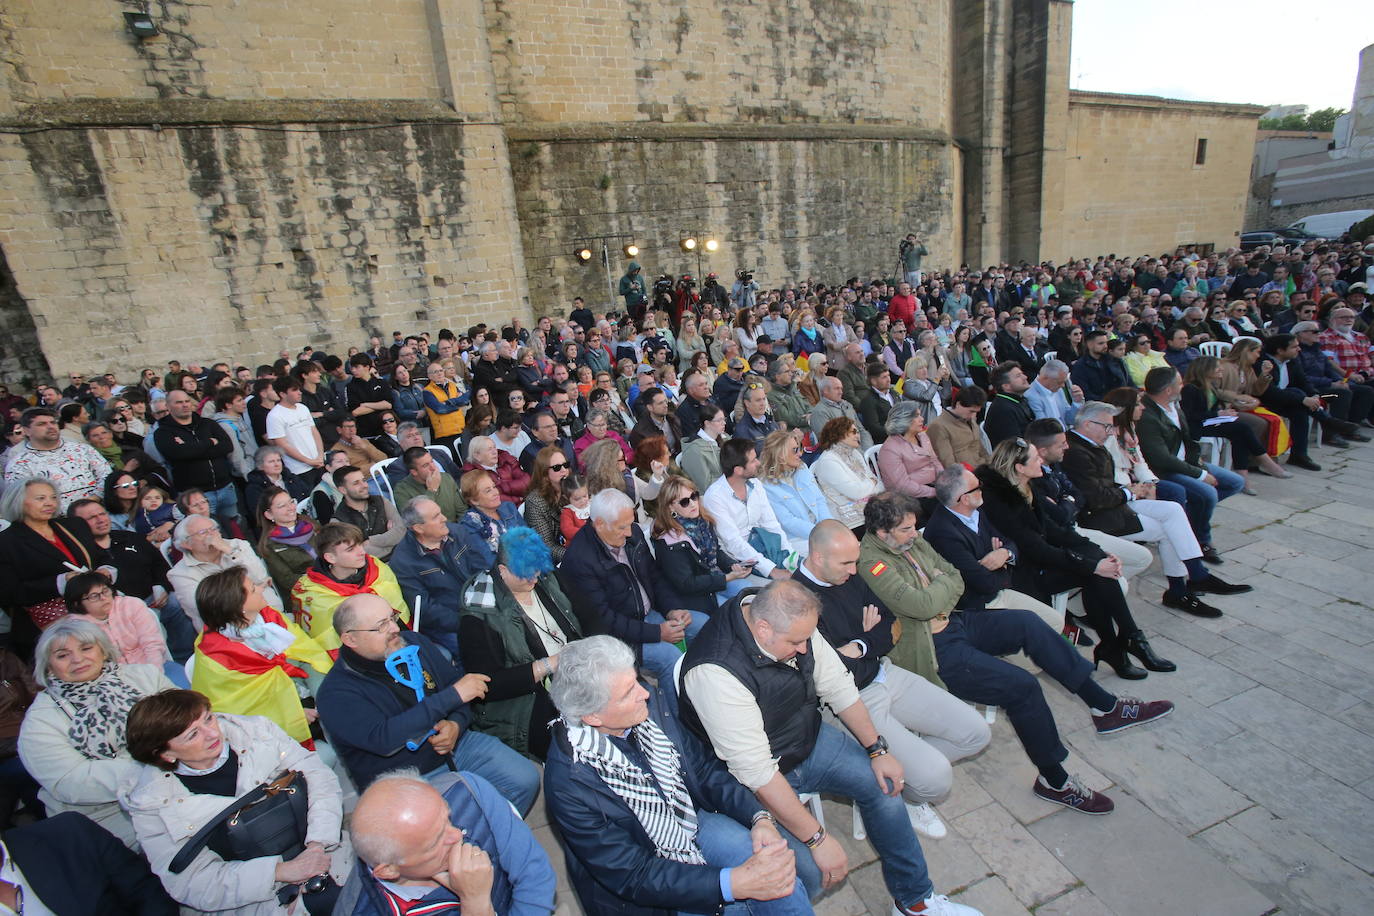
906,468
134,629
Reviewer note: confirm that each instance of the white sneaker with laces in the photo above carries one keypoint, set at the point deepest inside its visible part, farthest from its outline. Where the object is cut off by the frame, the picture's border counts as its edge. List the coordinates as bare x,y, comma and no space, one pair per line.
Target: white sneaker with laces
926,821
937,905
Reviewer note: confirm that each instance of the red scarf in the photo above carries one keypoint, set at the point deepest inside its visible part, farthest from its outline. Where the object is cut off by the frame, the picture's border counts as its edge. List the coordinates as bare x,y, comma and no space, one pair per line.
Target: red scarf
343,588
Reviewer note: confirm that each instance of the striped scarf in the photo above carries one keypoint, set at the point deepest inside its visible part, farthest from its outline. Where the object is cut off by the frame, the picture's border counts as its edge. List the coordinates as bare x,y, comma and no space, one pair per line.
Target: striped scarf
663,808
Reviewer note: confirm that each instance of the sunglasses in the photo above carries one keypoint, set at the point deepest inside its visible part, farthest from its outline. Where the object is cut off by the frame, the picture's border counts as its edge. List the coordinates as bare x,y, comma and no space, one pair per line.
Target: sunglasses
687,500
561,466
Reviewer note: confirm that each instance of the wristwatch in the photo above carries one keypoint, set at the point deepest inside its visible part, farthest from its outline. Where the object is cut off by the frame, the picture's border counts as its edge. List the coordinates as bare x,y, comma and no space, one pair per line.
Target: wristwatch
877,748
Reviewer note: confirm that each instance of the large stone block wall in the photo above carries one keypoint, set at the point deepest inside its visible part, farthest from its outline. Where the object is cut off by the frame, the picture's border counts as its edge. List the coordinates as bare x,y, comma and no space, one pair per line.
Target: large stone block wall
1131,184
789,208
130,245
699,61
251,49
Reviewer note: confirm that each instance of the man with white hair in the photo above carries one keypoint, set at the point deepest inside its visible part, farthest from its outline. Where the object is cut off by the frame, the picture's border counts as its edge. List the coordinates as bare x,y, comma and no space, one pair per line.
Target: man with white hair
608,573
1048,397
1132,512
833,404
651,820
424,850
204,552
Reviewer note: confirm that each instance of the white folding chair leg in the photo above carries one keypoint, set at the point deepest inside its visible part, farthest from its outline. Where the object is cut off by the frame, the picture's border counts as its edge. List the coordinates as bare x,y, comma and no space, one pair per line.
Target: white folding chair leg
860,833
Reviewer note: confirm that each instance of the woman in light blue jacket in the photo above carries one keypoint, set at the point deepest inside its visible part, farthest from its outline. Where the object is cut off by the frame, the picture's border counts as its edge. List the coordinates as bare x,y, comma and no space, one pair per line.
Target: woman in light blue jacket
793,493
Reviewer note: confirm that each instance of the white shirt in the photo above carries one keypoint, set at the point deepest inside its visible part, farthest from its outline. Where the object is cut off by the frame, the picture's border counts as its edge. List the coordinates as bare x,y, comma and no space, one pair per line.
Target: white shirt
1172,413
735,518
297,427
516,447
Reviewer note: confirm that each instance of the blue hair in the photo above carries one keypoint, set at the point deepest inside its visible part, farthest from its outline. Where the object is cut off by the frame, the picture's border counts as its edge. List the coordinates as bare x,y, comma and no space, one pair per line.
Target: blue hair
524,553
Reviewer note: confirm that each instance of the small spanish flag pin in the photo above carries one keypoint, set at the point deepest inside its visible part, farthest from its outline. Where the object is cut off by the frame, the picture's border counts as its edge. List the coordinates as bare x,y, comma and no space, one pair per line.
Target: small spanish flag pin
878,568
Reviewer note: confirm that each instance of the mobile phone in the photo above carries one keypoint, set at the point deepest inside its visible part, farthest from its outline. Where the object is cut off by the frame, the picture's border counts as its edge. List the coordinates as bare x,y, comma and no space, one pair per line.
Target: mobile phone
1327,397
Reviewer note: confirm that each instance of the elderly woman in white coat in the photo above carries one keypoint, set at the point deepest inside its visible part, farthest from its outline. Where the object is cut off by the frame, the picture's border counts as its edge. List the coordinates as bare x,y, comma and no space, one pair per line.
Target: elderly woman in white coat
72,739
195,762
843,474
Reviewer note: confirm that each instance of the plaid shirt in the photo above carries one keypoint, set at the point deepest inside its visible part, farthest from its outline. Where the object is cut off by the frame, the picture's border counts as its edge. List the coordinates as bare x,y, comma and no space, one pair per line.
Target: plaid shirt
1351,355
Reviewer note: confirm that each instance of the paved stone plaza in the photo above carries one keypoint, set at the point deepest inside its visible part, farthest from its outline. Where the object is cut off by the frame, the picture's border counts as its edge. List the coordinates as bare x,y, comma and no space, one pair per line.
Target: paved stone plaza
1256,796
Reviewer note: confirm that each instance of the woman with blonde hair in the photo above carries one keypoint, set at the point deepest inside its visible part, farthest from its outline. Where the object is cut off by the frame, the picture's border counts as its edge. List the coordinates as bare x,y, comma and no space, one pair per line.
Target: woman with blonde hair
1244,380
791,487
843,475
605,468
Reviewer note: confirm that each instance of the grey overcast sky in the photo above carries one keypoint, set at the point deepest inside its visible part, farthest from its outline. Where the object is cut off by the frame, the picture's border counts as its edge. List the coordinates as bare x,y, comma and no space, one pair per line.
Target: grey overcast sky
1267,52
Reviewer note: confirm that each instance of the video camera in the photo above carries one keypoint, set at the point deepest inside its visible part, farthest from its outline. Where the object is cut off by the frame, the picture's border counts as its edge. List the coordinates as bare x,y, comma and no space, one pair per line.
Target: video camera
744,275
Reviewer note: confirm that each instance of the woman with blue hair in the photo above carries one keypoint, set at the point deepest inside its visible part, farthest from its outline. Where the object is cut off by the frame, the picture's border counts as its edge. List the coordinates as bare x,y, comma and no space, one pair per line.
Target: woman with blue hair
515,620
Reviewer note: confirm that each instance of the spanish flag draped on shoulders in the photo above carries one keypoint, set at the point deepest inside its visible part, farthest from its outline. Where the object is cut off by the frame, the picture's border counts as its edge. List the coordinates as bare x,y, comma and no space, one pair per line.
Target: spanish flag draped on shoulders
252,676
317,594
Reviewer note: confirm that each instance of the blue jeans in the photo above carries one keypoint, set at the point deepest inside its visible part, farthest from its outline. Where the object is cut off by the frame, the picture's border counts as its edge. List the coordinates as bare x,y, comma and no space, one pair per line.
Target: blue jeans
726,843
1167,489
224,502
178,628
1203,497
660,657
838,766
513,775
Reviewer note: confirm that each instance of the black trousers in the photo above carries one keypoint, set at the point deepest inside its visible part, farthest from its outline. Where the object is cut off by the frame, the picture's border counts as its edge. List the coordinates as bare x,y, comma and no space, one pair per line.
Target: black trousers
968,649
1104,603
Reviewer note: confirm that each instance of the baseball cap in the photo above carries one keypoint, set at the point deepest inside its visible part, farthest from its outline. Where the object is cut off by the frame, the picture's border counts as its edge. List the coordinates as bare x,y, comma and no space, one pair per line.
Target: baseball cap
1306,326
763,338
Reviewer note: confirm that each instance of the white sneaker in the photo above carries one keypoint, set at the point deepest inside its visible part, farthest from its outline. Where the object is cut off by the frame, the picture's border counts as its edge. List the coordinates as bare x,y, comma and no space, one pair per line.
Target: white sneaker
937,905
926,821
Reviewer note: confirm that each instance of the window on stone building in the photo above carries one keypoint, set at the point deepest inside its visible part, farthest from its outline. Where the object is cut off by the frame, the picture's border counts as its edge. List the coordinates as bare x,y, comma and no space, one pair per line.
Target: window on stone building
1200,157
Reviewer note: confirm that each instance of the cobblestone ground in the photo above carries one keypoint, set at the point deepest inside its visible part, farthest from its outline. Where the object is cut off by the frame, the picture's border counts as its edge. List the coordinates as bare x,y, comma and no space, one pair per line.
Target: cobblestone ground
1256,796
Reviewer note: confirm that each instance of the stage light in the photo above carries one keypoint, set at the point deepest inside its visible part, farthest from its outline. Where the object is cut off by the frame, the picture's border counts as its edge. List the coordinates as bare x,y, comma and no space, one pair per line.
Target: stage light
583,254
631,250
688,243
712,244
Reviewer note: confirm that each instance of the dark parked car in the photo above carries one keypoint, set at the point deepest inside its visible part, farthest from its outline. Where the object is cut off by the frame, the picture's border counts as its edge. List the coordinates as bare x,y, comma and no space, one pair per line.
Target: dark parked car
1249,241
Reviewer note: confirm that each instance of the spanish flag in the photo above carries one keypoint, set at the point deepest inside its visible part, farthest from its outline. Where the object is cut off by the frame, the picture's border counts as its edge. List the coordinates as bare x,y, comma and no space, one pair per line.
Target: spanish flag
315,596
242,682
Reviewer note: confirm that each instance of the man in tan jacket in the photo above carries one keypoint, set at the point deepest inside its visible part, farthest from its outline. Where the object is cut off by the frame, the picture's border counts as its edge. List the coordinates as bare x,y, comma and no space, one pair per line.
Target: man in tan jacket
955,435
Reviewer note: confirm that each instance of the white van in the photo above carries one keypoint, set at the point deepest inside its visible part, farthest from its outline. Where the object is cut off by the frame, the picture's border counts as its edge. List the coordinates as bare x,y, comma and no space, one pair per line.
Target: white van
1331,225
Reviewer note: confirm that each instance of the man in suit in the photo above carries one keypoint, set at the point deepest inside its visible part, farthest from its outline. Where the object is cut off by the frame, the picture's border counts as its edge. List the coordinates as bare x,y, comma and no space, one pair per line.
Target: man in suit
1028,352
1009,413
1134,514
42,862
983,556
877,404
1172,454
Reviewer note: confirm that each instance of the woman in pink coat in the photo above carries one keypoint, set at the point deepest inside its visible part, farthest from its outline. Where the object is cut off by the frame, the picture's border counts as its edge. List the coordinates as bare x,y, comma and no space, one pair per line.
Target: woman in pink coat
906,460
131,625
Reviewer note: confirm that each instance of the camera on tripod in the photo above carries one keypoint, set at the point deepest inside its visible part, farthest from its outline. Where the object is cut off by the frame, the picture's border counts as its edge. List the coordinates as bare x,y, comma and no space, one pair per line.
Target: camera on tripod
744,275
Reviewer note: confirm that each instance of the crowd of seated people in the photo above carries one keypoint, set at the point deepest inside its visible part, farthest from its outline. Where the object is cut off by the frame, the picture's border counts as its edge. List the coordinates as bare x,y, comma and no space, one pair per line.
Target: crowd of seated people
599,545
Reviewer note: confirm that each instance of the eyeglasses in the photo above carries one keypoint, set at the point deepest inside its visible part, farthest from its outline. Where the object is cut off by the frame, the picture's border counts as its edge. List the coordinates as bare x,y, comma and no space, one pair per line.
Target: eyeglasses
1101,423
382,625
973,489
386,420
561,466
131,485
687,500
97,594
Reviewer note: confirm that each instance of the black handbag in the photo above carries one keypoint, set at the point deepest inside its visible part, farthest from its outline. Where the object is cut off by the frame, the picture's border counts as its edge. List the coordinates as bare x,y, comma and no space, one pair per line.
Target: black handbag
270,820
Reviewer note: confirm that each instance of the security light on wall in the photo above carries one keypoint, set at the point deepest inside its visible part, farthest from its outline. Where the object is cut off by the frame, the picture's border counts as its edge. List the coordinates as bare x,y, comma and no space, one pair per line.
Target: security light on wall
631,250
141,25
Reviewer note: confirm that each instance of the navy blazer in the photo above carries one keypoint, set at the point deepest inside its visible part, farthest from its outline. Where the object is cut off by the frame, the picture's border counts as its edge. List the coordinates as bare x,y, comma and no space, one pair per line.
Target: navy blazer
610,859
604,590
73,865
958,544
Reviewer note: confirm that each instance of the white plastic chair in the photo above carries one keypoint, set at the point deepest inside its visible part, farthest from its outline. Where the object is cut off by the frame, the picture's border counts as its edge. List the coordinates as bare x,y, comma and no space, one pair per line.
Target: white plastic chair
871,459
1217,348
378,474
1215,450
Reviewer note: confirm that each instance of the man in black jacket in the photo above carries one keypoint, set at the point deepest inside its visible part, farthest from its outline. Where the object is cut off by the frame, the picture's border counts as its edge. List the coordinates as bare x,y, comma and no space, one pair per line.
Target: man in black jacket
1095,371
1008,412
43,861
197,450
609,575
1294,398
984,556
926,728
696,389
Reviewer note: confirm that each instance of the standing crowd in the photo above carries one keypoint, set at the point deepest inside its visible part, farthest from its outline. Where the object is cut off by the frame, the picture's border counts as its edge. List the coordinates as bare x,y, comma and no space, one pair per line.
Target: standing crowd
684,567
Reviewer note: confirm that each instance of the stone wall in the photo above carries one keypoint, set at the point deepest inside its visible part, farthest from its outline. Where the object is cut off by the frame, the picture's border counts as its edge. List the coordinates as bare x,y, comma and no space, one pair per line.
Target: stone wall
131,244
769,61
788,207
1131,182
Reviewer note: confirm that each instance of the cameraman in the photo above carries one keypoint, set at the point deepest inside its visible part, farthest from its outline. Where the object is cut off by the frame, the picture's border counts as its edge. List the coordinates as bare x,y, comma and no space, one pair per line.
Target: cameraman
911,250
713,295
742,294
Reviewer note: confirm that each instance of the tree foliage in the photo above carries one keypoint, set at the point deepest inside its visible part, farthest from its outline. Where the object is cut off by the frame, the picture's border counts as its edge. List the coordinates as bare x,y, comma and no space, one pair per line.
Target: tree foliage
1321,120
